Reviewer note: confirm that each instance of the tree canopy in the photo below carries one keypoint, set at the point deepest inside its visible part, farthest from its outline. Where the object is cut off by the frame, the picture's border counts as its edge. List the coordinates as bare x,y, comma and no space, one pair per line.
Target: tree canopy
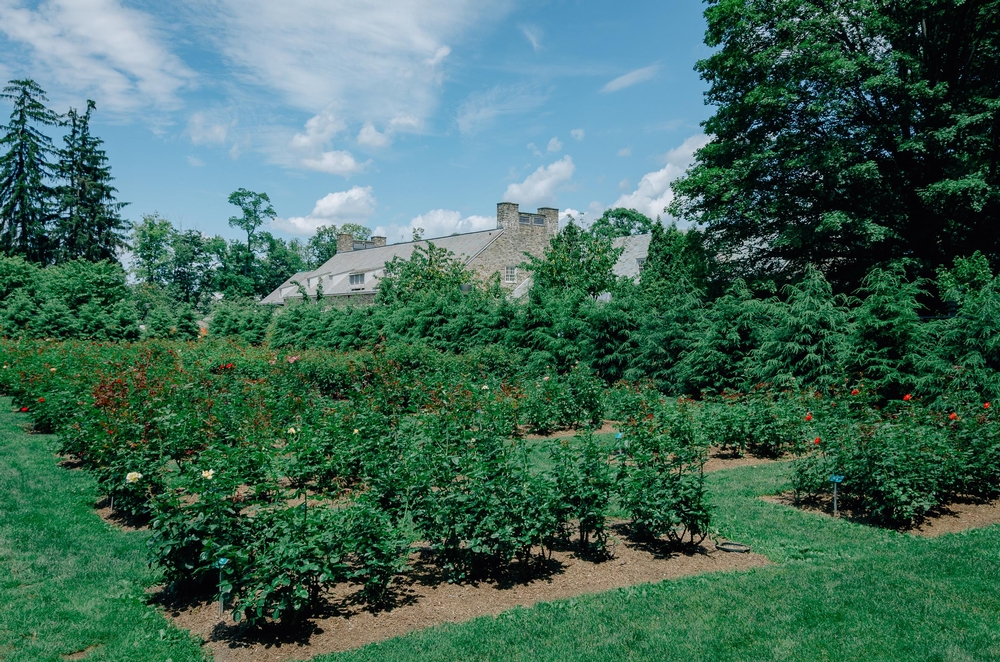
848,133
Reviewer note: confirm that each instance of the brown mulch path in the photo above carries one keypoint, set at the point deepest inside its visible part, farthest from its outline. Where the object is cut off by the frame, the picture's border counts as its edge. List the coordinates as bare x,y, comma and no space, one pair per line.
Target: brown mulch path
606,428
425,601
950,518
719,459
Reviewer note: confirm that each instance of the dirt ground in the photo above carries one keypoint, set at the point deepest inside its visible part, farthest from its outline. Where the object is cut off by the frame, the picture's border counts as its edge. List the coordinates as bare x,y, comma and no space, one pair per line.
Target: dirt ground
951,518
426,600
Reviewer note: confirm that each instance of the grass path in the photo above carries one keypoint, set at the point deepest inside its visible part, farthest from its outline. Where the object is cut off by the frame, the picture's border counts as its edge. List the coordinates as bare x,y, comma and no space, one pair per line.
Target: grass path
838,591
68,581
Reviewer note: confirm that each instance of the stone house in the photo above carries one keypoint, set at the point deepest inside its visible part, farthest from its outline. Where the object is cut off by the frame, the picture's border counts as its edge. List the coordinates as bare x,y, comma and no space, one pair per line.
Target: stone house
353,273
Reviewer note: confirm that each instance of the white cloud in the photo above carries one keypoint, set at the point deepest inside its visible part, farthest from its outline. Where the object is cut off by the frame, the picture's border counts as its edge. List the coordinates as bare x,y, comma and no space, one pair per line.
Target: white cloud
480,109
534,149
355,205
97,48
540,186
375,60
203,130
308,149
195,162
371,137
437,223
569,213
577,134
582,218
625,151
624,185
653,194
533,34
335,162
439,55
631,78
555,145
319,130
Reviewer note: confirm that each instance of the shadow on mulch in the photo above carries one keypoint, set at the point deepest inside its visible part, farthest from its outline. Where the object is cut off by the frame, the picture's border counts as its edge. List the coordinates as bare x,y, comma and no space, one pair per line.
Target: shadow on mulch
423,597
658,548
121,518
959,515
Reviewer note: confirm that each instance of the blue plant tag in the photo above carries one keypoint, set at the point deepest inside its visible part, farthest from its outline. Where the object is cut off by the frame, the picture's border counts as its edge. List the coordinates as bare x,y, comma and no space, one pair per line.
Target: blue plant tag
221,562
619,435
836,479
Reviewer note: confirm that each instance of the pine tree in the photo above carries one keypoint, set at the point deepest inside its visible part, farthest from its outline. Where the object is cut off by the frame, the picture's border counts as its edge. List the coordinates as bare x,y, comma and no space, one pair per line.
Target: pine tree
26,199
89,225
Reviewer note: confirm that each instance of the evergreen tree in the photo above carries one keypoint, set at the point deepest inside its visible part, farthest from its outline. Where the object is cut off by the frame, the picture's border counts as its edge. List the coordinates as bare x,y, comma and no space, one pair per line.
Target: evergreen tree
722,338
807,341
26,198
89,225
887,331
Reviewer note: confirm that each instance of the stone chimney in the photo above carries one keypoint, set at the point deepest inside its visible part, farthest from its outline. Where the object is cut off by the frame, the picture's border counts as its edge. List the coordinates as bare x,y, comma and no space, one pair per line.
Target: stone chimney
551,215
345,242
379,241
507,215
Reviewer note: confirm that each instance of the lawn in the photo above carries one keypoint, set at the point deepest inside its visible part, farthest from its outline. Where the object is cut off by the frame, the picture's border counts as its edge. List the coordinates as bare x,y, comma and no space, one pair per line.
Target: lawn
837,591
68,581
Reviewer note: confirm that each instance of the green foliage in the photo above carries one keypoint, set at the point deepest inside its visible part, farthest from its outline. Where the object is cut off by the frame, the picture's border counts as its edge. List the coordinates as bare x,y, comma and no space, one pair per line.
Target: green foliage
26,197
246,320
902,461
575,260
807,340
661,483
89,225
621,222
432,270
847,135
75,299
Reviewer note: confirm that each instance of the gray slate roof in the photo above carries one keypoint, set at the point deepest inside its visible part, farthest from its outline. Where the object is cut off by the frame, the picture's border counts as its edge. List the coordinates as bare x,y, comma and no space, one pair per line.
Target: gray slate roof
334,274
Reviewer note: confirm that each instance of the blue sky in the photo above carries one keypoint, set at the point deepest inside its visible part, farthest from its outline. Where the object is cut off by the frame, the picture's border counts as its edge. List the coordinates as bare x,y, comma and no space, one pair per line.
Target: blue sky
395,115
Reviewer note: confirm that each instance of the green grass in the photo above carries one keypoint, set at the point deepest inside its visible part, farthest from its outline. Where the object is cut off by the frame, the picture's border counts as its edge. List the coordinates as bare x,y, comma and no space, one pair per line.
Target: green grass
837,590
68,581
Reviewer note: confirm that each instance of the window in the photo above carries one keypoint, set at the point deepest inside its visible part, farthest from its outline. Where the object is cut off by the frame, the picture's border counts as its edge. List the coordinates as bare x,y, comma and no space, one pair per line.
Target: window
357,279
538,220
510,275
524,219
641,261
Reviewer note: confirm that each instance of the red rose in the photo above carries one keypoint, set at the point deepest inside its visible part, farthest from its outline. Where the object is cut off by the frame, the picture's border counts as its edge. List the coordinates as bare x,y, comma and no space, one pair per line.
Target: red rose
952,416
907,397
816,441
41,399
986,405
855,392
24,409
809,417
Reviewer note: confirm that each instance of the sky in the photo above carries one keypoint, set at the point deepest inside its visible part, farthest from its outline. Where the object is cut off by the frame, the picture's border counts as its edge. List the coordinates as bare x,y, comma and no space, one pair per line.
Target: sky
395,115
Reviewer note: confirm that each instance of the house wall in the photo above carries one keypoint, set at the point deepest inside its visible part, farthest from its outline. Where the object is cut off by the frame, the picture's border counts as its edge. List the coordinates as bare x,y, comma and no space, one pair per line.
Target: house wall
517,238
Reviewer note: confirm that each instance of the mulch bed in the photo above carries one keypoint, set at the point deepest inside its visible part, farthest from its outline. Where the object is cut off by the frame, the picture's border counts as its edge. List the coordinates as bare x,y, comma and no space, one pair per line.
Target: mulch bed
424,599
950,518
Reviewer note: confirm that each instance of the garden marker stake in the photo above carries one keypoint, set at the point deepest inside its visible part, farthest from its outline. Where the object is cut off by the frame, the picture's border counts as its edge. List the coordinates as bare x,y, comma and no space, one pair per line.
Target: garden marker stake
219,564
836,480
